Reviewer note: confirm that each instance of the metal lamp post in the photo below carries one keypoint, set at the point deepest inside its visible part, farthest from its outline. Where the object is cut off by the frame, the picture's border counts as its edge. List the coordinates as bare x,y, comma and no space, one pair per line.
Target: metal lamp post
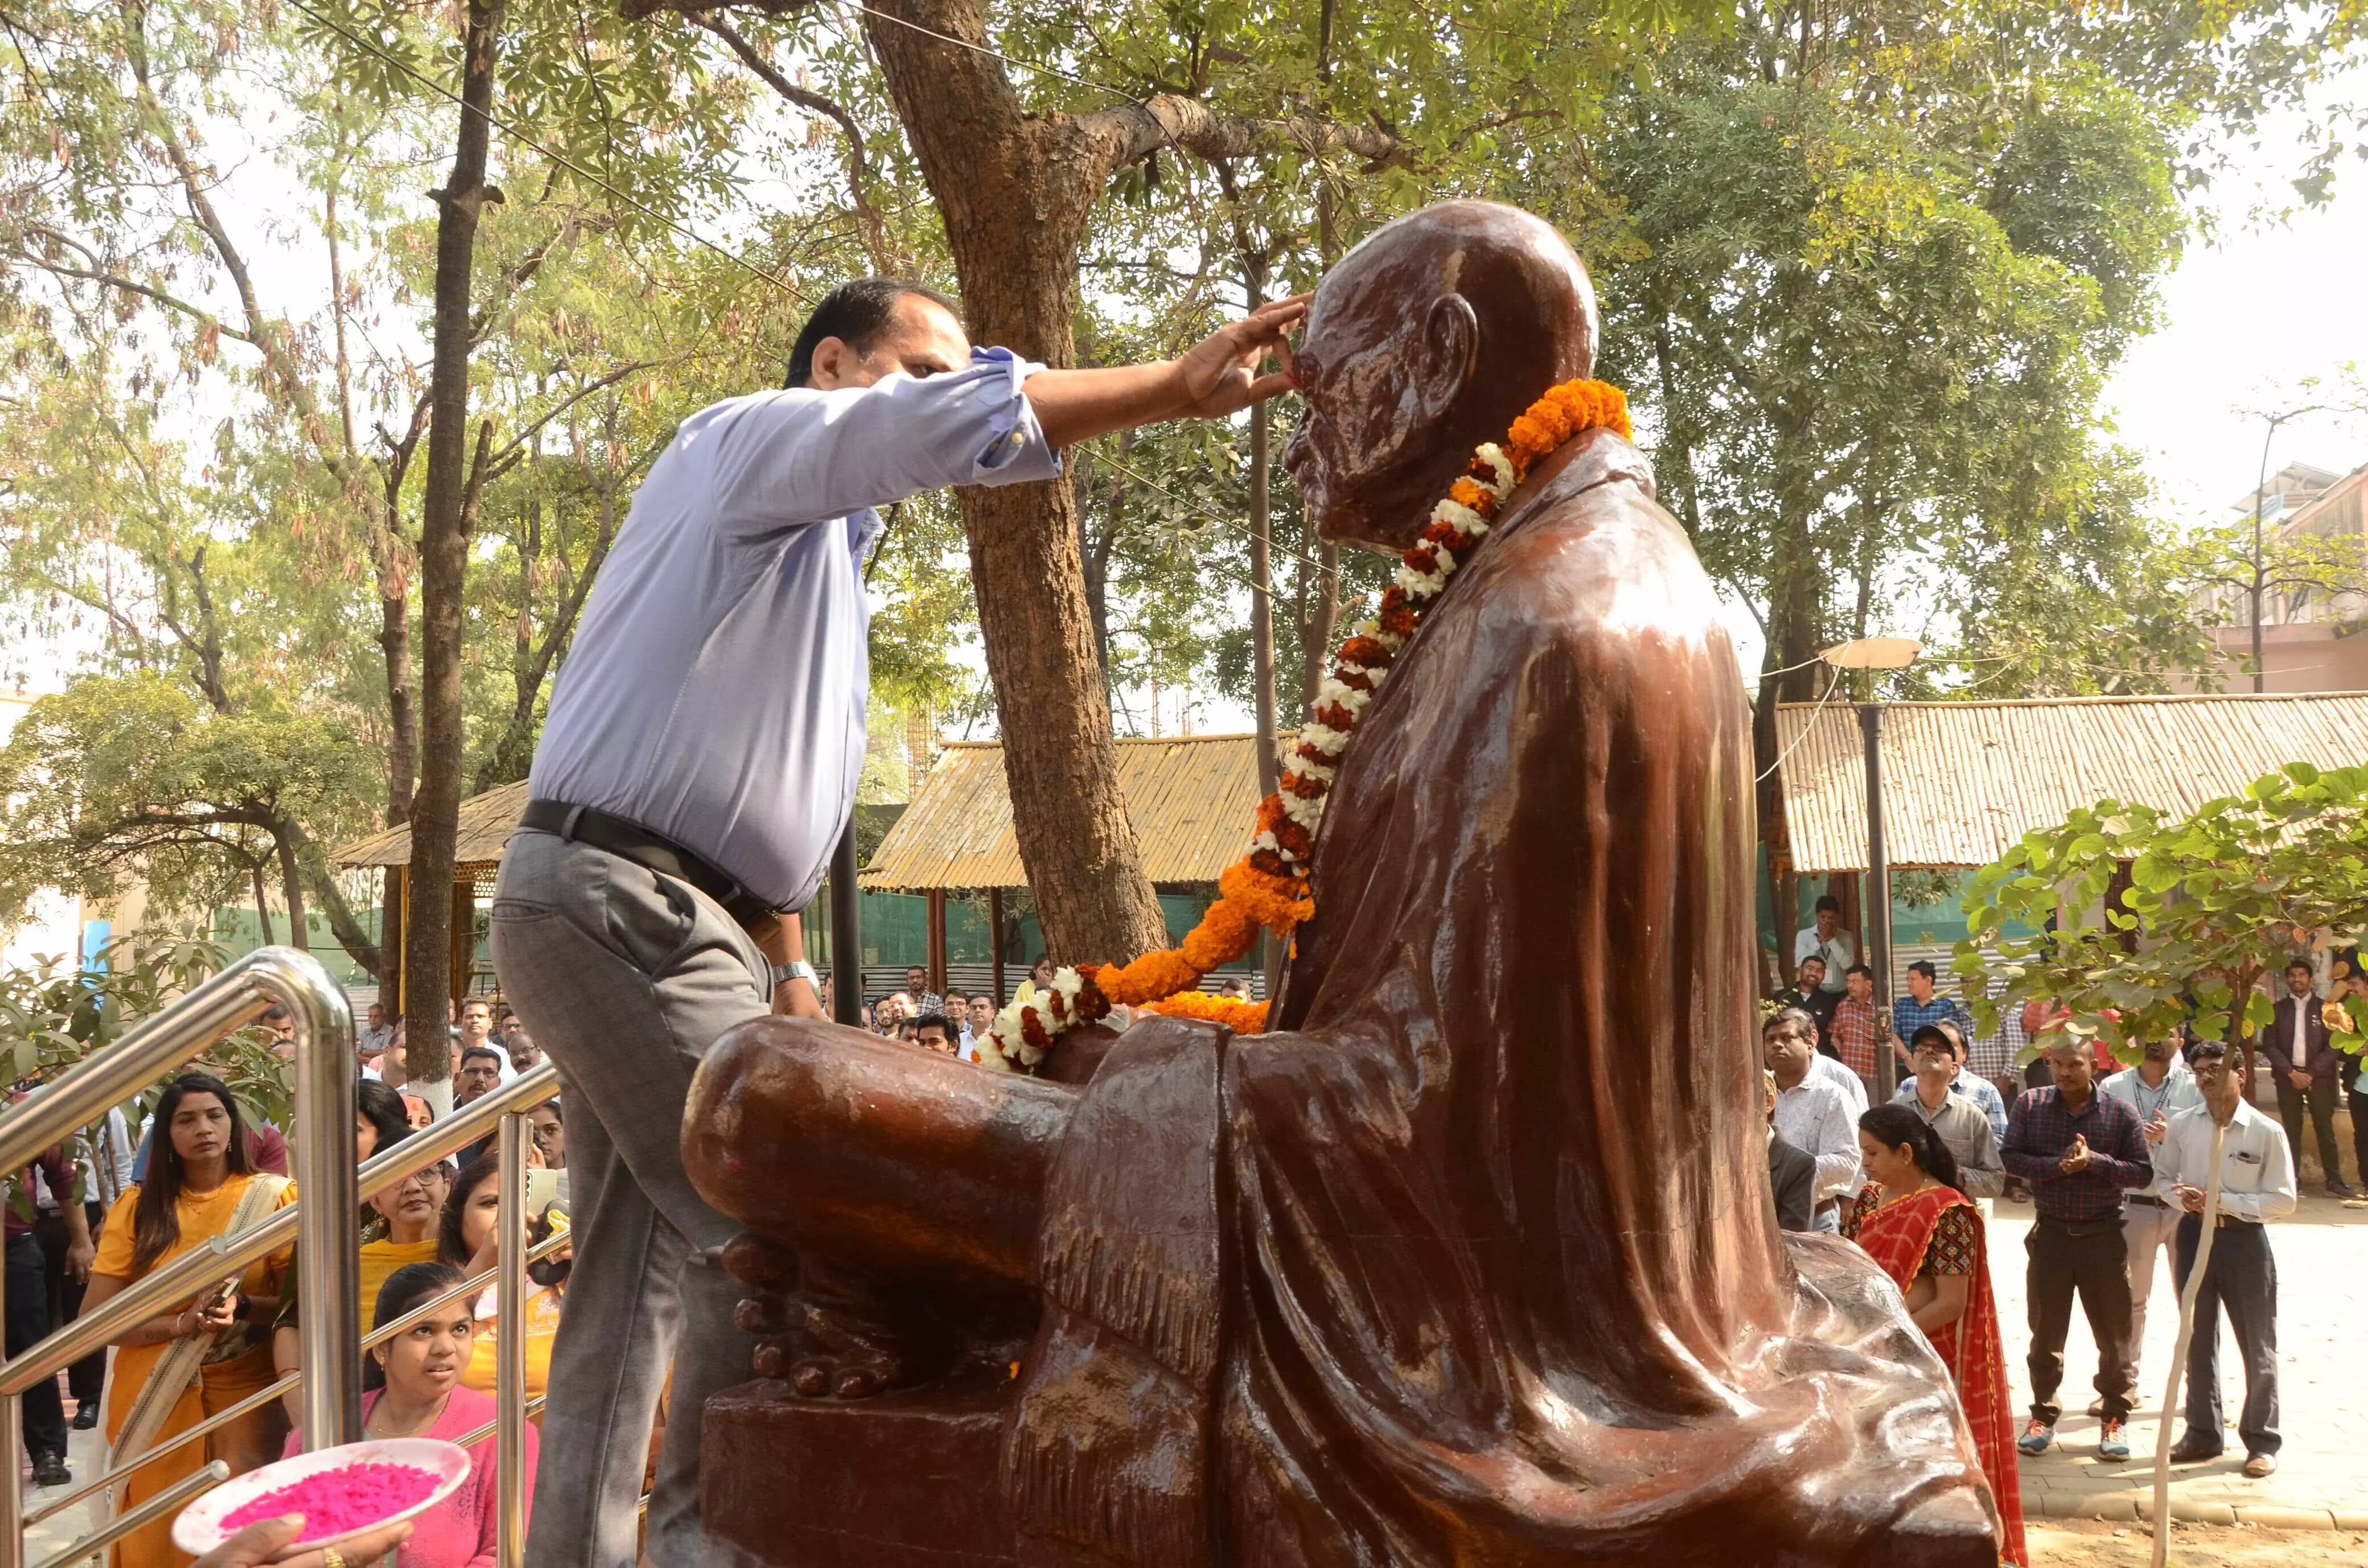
1876,654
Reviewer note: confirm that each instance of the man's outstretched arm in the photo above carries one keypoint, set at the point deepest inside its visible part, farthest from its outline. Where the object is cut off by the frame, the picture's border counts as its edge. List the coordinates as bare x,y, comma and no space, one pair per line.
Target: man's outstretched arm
1218,376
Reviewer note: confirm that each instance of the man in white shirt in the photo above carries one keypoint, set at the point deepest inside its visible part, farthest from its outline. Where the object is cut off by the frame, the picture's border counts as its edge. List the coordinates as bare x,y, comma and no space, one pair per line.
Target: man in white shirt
2158,1089
1845,1082
1828,941
2256,1184
1811,1114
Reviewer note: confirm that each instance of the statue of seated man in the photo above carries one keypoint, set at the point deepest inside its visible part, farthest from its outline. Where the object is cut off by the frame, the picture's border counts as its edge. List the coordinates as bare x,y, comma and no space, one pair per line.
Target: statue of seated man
1472,1259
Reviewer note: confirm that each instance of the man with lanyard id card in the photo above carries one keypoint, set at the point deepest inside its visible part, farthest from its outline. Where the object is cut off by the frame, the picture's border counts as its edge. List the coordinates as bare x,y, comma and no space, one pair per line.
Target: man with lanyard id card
698,767
2158,1088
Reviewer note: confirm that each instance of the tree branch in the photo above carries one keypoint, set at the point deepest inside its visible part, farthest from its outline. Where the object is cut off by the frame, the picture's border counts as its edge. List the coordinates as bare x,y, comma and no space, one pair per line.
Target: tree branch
858,161
1125,133
111,280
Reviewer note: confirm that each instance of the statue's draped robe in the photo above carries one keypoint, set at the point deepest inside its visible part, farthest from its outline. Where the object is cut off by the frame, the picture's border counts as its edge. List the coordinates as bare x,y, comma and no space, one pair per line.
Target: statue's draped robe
1474,1261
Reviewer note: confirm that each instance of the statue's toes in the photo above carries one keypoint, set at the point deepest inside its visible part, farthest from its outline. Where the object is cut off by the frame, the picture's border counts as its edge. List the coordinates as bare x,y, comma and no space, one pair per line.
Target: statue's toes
772,1358
812,1378
856,1382
760,1263
757,1315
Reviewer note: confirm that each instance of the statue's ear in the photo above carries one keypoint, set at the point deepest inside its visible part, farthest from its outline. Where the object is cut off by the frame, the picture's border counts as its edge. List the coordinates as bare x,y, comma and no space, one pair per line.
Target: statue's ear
1450,349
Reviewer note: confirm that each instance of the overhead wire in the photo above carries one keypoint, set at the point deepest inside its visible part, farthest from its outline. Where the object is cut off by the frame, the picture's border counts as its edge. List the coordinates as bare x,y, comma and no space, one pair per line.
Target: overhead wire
1831,686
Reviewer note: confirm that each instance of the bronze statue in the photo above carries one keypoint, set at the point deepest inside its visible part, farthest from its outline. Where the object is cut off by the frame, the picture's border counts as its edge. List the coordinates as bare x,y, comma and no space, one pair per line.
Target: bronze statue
1472,1259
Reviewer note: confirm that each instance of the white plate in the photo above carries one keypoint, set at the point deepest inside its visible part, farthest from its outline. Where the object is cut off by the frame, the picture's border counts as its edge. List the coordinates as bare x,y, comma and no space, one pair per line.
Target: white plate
199,1529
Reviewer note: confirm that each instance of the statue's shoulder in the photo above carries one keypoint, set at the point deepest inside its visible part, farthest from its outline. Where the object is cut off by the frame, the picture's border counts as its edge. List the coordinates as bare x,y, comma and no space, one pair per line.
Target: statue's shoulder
1597,549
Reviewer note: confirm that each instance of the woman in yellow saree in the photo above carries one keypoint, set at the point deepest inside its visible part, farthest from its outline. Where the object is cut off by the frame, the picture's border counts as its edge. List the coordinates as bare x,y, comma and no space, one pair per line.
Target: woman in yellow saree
197,1357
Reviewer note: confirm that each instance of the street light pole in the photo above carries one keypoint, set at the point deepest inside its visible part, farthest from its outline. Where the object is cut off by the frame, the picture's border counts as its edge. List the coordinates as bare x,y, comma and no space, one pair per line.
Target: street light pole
1873,653
1878,885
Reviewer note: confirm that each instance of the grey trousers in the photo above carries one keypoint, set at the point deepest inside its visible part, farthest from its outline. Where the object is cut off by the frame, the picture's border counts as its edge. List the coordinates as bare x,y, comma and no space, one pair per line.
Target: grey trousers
2242,1280
626,978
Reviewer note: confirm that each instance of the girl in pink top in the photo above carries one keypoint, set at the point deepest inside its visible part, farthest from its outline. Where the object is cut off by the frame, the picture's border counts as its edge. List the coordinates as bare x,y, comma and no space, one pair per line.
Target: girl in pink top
413,1383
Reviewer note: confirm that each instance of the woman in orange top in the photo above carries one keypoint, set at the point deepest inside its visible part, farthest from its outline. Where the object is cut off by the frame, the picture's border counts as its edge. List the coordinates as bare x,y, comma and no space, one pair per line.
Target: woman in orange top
198,1184
472,1243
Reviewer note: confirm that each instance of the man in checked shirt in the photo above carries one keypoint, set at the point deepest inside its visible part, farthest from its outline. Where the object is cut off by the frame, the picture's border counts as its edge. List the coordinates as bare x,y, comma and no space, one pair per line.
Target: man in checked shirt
2079,1151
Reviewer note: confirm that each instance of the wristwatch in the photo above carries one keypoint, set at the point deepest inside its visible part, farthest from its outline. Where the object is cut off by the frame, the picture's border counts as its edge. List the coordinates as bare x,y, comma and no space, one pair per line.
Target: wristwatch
797,970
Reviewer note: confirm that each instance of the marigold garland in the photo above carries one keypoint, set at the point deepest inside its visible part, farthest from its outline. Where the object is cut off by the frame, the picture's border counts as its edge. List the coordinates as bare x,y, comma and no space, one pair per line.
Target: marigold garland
1267,888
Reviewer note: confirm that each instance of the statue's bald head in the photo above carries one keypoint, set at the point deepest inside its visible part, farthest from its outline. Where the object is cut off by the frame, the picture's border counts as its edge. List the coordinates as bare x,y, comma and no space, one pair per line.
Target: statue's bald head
1425,341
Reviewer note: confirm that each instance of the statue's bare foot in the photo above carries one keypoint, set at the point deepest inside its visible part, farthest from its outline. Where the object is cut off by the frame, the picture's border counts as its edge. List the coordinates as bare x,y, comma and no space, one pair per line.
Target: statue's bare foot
845,1349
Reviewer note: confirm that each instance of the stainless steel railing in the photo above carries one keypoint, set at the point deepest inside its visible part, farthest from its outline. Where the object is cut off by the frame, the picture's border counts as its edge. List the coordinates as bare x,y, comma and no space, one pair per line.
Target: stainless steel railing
322,1223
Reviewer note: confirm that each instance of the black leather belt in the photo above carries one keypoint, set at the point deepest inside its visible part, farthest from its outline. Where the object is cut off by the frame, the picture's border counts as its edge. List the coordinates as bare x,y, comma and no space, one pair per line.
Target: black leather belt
653,850
2148,1198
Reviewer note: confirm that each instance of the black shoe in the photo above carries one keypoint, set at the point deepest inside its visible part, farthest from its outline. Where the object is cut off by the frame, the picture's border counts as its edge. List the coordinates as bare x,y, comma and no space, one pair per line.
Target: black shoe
2339,1189
86,1416
50,1470
2192,1451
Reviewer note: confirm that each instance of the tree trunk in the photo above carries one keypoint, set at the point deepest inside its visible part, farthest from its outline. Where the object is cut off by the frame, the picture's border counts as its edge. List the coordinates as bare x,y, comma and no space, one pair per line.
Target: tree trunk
401,697
292,879
1013,192
443,563
1261,560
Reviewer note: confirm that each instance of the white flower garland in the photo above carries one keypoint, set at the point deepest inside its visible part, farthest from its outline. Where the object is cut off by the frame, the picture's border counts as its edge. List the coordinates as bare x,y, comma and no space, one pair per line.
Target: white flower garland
1007,1046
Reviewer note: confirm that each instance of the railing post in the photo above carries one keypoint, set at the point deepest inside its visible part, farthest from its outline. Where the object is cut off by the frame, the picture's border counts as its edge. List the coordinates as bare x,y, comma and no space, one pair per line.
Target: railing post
509,1347
330,1326
12,1459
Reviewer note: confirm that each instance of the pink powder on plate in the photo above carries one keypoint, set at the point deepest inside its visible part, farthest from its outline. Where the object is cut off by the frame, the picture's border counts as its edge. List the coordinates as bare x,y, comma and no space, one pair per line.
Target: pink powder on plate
336,1501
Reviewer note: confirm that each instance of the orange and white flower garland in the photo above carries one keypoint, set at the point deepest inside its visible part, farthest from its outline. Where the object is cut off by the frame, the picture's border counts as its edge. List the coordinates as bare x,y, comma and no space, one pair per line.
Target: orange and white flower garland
1267,886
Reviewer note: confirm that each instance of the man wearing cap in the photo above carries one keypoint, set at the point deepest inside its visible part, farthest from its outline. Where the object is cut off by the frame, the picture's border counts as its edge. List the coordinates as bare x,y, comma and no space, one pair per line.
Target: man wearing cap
1971,1085
1960,1122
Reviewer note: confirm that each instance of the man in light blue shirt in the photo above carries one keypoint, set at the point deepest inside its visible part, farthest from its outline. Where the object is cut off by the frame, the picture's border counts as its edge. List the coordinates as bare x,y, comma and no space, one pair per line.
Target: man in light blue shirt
698,766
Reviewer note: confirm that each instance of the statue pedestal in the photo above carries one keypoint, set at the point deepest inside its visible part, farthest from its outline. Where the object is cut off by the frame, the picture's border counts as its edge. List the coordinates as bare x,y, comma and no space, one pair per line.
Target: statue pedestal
905,1481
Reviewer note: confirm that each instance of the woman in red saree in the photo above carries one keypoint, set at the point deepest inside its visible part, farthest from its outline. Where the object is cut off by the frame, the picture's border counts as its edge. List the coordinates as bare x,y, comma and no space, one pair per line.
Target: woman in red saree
1929,1237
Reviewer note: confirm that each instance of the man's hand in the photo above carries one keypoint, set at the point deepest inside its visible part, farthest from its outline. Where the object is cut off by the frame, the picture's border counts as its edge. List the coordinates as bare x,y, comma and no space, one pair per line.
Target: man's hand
2157,1130
80,1254
2298,1078
1219,375
797,999
1215,377
2075,1159
2190,1198
259,1543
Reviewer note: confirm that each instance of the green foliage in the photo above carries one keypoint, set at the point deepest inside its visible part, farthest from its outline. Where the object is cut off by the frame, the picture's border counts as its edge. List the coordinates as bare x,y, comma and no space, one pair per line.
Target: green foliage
2213,901
131,777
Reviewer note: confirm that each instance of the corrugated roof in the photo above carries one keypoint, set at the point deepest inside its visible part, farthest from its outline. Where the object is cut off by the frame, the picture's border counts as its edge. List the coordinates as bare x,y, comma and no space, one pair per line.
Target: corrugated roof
1963,781
1190,799
486,823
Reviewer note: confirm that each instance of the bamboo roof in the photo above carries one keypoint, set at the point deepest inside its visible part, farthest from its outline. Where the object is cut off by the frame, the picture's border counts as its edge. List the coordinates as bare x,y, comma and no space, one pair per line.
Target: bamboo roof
486,823
1963,781
1190,798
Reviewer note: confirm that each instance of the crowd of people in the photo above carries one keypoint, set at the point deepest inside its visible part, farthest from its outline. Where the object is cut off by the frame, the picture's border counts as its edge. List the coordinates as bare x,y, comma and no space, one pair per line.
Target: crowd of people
201,1169
2114,1161
2114,1164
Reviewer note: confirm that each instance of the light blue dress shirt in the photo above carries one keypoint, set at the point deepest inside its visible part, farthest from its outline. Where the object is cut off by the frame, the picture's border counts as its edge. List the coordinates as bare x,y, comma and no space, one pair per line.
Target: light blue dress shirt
715,691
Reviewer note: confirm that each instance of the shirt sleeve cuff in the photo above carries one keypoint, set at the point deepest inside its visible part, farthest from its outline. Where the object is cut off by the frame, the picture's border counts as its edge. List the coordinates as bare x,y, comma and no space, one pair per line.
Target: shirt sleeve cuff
1016,451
